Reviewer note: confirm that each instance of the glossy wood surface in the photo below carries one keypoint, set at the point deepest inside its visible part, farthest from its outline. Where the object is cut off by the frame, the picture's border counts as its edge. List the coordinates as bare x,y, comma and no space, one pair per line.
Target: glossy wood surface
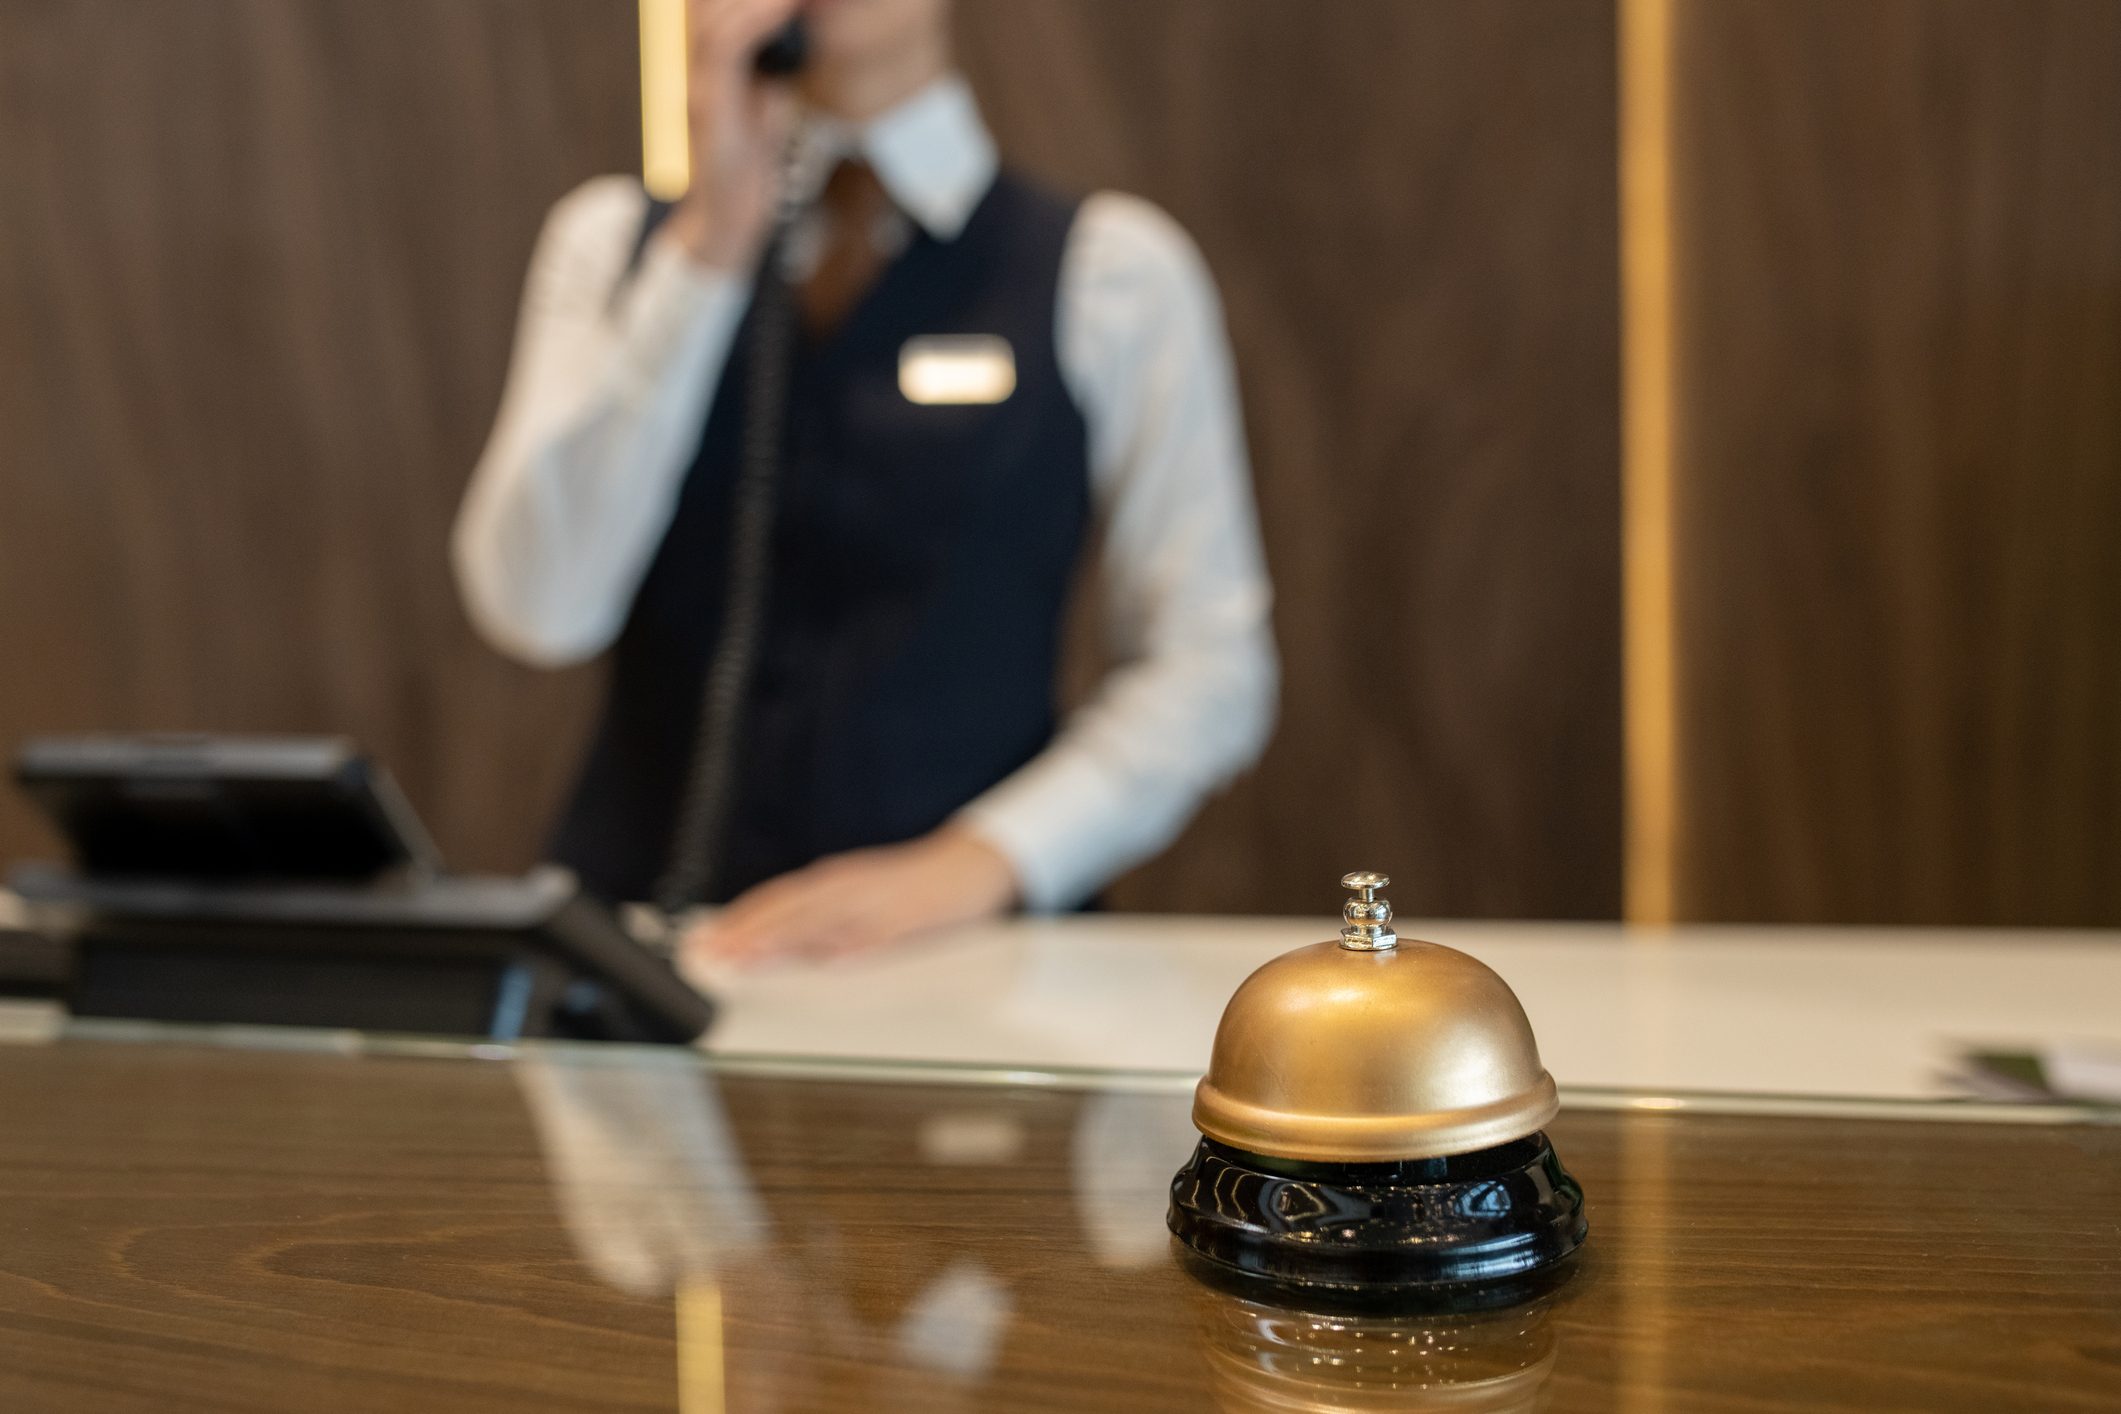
191,1229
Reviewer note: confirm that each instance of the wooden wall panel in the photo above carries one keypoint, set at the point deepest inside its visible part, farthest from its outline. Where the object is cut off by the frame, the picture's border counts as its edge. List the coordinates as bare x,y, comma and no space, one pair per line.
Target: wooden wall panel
1899,461
260,265
259,259
1410,206
259,262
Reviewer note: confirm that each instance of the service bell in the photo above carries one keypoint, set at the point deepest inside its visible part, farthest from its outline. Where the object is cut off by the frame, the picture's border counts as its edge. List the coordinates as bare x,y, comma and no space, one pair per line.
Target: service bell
1371,1130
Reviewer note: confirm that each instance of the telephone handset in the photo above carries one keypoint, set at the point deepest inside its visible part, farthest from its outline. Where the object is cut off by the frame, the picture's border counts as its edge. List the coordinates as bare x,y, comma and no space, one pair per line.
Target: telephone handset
784,53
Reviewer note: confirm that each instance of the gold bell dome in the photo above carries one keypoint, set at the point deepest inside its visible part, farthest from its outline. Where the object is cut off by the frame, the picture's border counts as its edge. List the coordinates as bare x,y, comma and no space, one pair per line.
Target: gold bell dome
1369,1048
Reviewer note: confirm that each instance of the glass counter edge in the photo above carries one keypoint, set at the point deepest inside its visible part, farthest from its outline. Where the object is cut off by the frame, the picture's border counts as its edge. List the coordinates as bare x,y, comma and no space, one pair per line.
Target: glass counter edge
855,1069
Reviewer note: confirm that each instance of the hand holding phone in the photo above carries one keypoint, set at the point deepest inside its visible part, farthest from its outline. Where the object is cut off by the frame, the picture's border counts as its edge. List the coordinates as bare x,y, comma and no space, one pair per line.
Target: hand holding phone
740,123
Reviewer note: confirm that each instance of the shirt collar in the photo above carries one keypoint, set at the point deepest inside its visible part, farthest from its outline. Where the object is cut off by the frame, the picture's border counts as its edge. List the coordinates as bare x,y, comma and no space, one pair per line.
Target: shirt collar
932,154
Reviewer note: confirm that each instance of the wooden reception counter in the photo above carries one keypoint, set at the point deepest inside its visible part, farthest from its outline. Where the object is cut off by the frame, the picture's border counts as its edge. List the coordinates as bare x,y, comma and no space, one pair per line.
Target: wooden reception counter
267,1222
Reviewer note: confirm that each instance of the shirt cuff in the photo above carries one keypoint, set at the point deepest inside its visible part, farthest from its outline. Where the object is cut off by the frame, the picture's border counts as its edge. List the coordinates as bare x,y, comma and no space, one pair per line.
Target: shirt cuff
1055,835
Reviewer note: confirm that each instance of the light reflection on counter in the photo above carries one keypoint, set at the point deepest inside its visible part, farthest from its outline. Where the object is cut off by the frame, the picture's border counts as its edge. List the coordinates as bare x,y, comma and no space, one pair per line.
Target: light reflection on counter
1267,1358
652,1182
648,1164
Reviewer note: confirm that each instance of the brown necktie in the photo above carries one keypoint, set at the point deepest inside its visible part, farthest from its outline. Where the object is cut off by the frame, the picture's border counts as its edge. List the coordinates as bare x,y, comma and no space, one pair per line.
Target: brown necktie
854,207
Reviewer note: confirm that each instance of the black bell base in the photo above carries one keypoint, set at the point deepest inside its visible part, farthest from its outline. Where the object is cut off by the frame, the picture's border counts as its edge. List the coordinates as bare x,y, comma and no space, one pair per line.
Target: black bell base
1467,1232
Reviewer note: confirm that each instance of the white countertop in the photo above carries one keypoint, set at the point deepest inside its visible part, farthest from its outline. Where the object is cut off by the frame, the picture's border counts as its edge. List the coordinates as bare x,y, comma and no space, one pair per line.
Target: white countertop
1857,1013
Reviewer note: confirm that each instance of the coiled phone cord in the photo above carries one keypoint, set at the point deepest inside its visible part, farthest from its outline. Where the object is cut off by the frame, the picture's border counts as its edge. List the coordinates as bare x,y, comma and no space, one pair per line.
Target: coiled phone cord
701,835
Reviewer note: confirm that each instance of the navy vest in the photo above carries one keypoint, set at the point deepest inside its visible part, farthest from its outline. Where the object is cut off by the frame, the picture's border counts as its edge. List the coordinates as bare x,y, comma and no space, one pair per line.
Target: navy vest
922,558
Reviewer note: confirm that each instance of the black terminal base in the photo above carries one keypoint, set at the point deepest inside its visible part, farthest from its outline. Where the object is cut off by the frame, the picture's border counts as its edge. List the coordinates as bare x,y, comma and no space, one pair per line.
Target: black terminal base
1463,1233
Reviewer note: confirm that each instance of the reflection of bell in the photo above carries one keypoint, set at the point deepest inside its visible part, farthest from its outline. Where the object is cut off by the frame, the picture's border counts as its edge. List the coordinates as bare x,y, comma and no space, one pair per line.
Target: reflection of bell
1271,1360
1370,1127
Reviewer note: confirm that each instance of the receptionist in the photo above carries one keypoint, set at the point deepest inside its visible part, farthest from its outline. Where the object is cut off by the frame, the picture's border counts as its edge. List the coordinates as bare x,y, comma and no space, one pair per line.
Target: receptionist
834,627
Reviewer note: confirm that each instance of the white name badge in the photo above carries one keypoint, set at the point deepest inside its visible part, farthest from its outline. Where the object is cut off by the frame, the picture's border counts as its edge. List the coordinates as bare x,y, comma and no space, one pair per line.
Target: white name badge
956,369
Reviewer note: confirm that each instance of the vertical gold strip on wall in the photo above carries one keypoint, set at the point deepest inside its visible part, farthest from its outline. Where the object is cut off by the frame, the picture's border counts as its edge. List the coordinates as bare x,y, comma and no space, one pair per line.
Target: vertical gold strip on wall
666,156
1648,623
